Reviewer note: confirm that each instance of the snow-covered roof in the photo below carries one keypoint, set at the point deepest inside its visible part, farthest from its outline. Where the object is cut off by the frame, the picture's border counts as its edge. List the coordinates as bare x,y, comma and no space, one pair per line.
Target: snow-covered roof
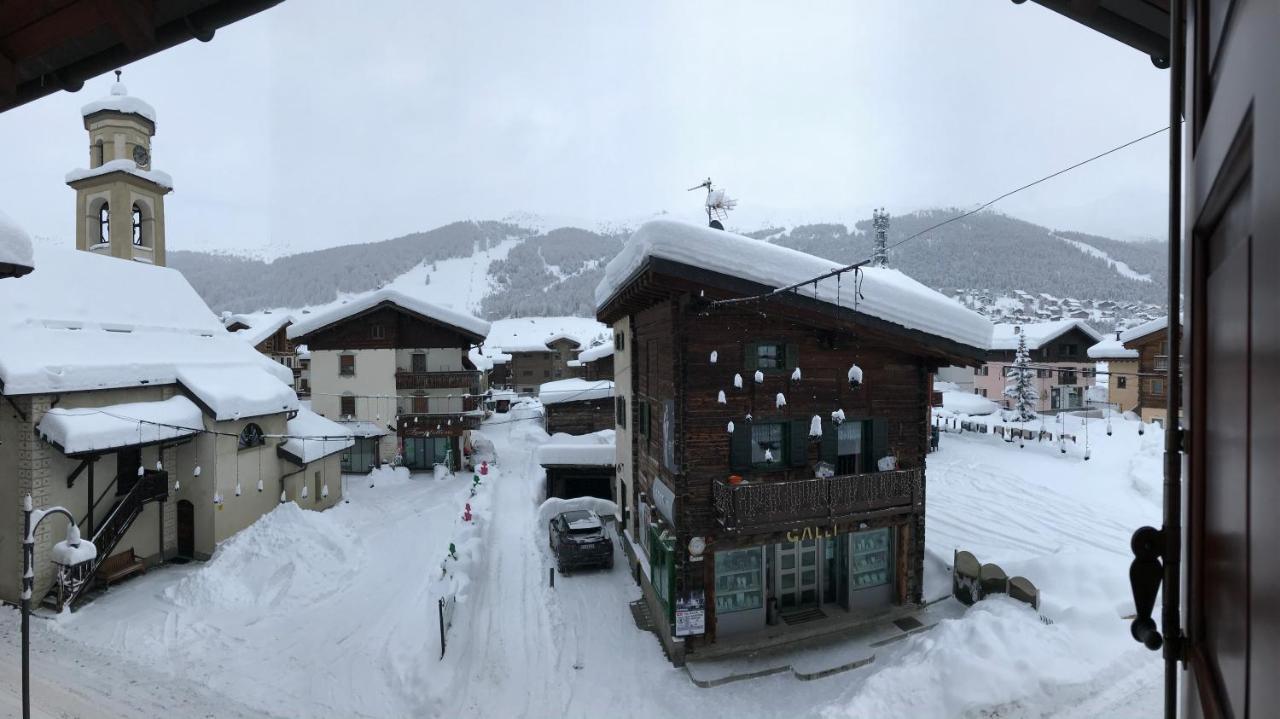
591,354
1111,348
91,429
123,164
531,334
15,243
573,390
265,326
595,449
364,429
356,305
1144,329
81,321
886,293
324,437
120,101
1003,336
230,392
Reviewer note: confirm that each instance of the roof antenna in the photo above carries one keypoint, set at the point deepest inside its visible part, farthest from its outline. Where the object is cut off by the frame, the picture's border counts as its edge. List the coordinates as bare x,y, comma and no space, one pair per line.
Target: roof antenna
717,205
118,74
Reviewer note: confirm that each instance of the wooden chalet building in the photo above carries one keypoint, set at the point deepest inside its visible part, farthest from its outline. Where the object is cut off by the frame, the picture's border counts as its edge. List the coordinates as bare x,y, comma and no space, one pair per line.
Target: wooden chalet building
1059,355
576,406
596,362
268,333
755,461
397,370
1151,341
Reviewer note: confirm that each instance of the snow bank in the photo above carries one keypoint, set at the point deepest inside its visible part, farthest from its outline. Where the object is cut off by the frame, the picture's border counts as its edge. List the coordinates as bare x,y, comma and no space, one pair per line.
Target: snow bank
998,653
125,165
290,556
531,334
574,390
310,424
596,449
967,403
120,101
15,243
84,429
555,506
439,313
887,294
1003,336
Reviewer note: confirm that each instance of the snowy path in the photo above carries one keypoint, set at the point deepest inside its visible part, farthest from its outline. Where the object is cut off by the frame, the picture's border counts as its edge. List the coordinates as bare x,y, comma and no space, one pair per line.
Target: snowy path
333,614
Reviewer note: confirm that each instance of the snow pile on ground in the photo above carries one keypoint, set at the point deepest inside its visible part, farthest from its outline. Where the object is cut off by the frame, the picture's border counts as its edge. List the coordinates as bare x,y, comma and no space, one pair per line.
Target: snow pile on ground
967,403
1000,654
290,555
886,293
388,476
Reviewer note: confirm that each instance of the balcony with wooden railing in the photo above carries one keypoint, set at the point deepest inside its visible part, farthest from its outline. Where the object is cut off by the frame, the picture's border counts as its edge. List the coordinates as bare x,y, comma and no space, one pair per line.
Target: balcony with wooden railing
424,416
760,505
460,379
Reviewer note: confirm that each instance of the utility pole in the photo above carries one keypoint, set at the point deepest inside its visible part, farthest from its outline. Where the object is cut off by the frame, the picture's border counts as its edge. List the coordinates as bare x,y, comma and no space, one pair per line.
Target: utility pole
880,221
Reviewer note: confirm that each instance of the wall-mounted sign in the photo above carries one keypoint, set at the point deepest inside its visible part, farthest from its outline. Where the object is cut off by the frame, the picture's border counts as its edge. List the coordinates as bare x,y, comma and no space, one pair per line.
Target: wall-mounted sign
665,500
691,614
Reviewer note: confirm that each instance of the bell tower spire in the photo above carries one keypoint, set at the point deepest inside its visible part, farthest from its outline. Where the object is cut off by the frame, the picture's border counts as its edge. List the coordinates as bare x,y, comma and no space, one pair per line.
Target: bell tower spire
120,197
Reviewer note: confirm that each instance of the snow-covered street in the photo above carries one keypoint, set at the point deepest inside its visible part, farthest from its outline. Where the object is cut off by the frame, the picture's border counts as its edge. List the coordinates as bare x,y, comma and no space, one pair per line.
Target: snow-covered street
334,614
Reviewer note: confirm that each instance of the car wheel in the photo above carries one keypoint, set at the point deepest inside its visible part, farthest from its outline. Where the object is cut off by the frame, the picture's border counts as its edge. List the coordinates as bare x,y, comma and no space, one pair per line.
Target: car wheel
608,563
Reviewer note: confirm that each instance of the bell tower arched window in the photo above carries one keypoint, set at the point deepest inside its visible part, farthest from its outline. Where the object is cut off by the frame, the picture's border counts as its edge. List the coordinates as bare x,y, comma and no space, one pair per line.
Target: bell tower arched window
104,223
251,436
137,225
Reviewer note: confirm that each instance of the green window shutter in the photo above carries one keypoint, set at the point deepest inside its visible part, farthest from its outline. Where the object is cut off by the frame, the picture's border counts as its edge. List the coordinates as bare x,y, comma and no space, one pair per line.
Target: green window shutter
879,441
793,355
830,441
740,447
798,449
750,359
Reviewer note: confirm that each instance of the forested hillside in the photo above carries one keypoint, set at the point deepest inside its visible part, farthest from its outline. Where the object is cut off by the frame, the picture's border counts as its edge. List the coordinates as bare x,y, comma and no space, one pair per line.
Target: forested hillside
555,273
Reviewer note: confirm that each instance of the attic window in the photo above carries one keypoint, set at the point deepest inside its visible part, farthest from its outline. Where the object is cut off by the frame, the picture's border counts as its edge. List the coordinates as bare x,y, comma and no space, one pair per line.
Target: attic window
251,436
376,331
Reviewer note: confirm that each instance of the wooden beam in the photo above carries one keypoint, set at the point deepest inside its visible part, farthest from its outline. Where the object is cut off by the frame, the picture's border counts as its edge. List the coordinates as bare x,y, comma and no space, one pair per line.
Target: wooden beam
133,21
8,77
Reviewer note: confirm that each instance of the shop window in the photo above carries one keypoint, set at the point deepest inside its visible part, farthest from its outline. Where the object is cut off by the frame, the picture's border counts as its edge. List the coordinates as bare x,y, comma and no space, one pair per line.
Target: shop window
662,567
768,445
739,580
346,365
870,559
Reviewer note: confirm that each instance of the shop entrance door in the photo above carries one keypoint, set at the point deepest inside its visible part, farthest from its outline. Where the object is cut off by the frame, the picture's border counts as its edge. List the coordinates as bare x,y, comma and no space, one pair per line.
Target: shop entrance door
798,575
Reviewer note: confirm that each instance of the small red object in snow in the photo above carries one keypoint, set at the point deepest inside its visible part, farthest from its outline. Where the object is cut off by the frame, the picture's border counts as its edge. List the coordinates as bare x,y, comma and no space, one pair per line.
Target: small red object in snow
484,467
466,515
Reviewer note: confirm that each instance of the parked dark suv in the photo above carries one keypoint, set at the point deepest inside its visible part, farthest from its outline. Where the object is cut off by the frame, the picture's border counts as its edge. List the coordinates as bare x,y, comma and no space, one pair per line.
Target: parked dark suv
578,539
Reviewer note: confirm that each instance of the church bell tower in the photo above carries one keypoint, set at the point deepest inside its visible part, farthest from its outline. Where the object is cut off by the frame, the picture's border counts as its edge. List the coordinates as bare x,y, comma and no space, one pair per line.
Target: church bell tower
120,197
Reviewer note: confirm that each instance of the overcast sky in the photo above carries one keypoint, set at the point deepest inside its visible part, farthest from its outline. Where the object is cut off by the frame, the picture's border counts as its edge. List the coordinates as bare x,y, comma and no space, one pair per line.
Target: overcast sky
319,123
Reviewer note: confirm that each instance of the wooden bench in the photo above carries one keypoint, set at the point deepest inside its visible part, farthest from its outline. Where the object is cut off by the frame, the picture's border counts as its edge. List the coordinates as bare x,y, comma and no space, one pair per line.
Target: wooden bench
119,566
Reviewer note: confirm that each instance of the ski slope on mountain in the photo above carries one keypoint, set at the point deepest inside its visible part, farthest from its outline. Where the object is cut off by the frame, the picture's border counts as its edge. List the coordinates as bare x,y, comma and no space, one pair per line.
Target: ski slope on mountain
1124,269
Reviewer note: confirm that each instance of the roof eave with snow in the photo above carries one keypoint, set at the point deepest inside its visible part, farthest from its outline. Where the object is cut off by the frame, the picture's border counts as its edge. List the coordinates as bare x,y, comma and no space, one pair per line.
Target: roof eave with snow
474,328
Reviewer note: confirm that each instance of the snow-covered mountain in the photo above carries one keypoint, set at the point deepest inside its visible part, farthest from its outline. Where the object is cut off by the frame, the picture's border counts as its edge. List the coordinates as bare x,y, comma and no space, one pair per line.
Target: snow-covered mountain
531,265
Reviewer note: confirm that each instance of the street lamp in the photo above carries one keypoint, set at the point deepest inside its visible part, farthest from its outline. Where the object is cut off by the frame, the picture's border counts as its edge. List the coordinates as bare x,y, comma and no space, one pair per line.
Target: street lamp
73,551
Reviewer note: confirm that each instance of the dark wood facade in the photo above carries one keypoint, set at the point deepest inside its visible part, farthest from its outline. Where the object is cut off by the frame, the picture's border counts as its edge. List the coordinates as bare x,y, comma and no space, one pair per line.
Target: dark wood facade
580,416
681,437
1071,346
387,326
1153,367
601,368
